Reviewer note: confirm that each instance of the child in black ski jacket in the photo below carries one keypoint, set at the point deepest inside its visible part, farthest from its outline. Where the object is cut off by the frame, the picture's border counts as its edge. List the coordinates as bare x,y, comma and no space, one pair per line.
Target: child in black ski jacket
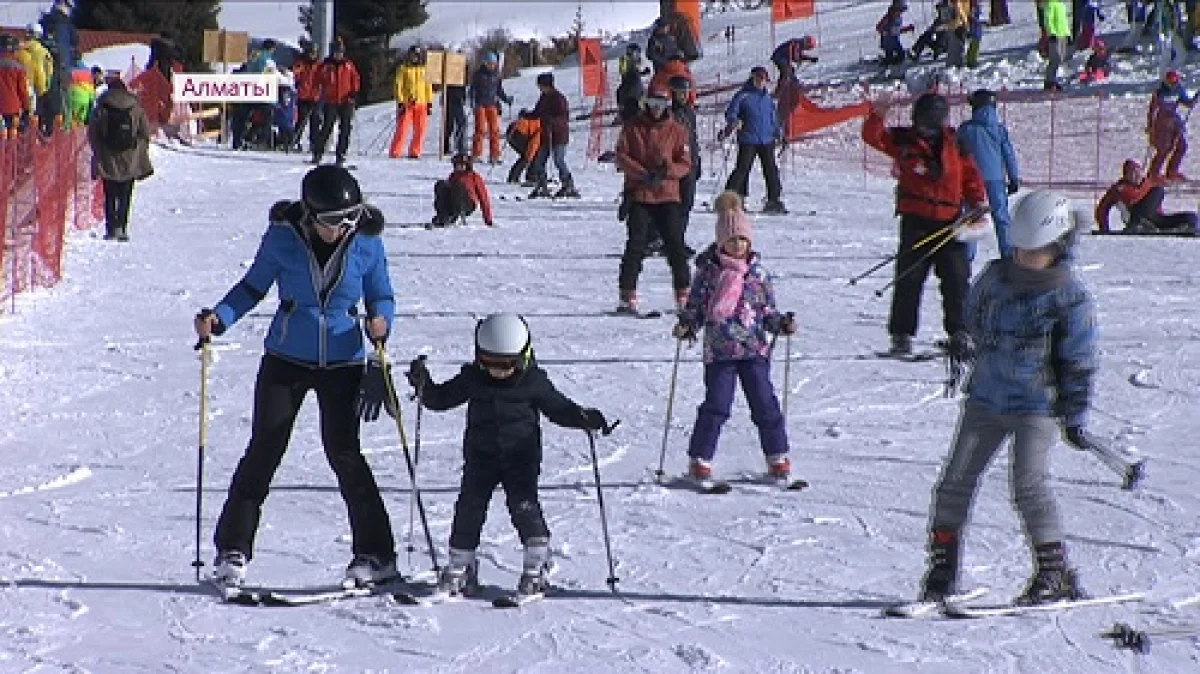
505,392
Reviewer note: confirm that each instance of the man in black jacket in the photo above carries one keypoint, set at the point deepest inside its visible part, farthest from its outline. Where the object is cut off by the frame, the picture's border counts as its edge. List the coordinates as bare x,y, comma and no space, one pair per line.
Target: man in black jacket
505,392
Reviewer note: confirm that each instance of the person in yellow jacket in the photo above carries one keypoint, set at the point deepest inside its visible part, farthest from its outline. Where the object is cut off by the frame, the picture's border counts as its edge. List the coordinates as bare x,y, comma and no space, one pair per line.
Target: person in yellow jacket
39,65
1057,25
414,103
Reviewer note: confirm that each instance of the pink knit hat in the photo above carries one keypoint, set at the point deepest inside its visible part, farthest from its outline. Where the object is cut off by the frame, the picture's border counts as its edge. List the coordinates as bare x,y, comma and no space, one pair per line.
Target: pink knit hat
733,223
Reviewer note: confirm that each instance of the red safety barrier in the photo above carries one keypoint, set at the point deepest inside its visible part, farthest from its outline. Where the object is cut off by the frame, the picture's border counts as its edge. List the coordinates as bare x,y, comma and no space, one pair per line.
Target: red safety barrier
44,185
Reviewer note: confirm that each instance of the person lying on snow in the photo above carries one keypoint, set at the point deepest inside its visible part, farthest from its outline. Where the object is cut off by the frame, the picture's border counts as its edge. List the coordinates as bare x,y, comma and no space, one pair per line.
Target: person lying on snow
1140,199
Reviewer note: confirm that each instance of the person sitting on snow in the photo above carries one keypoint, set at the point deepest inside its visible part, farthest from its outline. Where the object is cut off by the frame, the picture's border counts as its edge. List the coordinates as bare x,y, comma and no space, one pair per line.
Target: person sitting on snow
457,196
1099,64
1140,199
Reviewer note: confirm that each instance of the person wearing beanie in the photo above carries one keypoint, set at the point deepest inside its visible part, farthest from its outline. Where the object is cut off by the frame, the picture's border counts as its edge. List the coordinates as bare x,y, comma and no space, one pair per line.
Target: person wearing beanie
654,154
554,113
733,301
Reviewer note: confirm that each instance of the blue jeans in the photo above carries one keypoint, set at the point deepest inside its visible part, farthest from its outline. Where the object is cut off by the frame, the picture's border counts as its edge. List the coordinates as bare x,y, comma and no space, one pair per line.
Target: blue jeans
719,378
560,163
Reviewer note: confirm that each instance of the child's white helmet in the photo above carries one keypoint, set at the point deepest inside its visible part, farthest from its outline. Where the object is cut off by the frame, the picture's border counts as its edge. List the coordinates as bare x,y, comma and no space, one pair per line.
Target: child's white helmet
1041,218
503,339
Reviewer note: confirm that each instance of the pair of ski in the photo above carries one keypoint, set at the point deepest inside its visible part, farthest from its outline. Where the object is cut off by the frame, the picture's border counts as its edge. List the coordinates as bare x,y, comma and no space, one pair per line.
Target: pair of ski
507,599
711,486
959,606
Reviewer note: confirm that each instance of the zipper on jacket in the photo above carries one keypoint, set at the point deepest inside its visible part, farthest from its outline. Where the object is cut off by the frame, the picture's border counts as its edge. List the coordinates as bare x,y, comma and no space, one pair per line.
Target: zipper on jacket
319,278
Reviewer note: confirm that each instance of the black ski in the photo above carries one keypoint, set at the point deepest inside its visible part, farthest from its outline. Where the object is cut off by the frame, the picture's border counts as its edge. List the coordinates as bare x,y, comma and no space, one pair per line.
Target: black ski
243,596
915,357
514,600
653,313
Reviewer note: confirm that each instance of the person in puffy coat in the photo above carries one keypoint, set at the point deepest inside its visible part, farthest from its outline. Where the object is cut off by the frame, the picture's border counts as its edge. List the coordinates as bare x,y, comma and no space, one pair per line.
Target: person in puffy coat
1140,198
986,140
14,86
324,255
487,93
1166,127
553,112
339,82
525,137
457,196
306,70
119,135
752,114
414,104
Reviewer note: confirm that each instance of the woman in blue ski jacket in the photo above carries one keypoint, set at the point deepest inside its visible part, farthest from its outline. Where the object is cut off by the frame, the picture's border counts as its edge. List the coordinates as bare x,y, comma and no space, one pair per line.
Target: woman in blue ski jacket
324,255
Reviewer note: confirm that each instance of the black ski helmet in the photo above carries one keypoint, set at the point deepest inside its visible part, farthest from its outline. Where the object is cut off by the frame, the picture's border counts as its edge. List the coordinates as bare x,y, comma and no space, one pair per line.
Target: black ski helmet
461,159
679,83
929,111
330,188
981,98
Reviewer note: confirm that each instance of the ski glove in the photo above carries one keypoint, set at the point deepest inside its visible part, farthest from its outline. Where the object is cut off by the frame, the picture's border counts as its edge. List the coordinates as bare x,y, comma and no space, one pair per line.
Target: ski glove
418,374
593,419
684,331
218,328
787,324
654,178
1014,187
1077,438
373,390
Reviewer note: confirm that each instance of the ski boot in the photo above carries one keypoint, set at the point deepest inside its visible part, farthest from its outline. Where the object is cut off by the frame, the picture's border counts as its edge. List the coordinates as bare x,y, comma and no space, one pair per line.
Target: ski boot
460,576
542,191
368,570
901,346
567,189
229,568
774,208
628,304
122,234
1053,580
535,568
699,469
941,579
681,299
779,467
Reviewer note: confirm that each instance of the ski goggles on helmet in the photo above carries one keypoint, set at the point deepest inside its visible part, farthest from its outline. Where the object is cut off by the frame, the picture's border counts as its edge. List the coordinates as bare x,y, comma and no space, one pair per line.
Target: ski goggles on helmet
656,103
490,362
340,219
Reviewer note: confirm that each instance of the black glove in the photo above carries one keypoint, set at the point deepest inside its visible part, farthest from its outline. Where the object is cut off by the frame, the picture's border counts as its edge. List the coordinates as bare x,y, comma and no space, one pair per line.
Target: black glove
373,391
1076,437
654,178
593,419
787,324
960,348
218,327
1014,187
418,374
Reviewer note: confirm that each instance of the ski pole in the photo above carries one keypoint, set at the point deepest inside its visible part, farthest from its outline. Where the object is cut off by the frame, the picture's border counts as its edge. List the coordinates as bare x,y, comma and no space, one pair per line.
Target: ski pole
932,236
1130,472
914,266
612,579
394,401
787,371
662,455
419,396
203,347
1138,641
951,231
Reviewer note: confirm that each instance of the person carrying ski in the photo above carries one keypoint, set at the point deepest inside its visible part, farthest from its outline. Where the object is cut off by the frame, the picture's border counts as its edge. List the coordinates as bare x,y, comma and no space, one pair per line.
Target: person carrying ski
1140,198
325,255
653,153
457,196
1166,128
339,82
414,104
935,180
890,28
1032,325
751,113
525,136
487,93
505,392
554,113
985,139
733,301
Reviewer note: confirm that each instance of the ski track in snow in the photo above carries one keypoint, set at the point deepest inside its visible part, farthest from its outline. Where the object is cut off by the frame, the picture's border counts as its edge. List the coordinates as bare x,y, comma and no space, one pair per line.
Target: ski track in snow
98,442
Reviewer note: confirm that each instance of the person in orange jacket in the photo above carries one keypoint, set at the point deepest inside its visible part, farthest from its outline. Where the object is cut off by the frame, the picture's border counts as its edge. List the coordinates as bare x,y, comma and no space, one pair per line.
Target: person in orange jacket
675,67
14,86
1140,198
339,84
414,104
457,196
524,136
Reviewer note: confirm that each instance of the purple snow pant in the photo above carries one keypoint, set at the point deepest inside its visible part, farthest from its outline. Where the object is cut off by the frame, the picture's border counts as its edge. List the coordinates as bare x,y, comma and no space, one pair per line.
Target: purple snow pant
719,378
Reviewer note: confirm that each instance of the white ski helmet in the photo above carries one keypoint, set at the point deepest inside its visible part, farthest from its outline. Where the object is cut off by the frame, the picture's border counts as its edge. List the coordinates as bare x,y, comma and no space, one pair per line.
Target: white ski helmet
1041,218
504,340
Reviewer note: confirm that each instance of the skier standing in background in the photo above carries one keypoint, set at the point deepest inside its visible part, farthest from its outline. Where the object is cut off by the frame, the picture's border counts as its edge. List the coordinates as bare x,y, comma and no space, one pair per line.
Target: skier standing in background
985,138
752,114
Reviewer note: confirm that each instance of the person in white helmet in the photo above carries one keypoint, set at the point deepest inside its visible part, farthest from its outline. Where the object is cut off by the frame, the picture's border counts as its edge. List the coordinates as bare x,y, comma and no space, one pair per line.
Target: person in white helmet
505,392
1032,324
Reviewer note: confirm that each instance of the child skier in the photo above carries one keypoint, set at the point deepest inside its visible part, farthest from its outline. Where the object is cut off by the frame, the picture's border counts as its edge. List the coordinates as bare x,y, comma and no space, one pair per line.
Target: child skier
505,391
890,28
1033,326
457,196
732,299
1098,65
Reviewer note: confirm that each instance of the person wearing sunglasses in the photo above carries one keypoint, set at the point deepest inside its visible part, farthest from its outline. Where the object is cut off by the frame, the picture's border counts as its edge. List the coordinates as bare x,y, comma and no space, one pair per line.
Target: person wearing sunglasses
324,255
506,392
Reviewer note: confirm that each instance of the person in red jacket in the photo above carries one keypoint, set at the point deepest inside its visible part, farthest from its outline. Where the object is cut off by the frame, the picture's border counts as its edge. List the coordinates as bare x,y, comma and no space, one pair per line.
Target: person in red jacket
308,93
14,86
1140,198
457,196
339,83
935,180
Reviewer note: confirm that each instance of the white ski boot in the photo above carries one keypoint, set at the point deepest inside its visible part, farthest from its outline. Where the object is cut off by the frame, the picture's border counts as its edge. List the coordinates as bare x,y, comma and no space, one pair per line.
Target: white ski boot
535,569
229,569
460,576
368,570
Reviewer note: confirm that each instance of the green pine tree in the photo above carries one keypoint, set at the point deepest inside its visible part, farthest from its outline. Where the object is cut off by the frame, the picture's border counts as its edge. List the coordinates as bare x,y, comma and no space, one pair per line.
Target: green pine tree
367,28
185,21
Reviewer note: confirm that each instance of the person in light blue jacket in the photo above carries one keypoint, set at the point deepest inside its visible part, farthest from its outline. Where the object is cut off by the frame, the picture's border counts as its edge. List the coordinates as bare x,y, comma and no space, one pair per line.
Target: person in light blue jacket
324,255
985,139
752,114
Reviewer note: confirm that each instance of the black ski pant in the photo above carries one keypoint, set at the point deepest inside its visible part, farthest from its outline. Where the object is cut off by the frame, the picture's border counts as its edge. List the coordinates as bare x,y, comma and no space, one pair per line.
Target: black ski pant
518,167
454,136
451,201
663,219
118,198
518,473
1149,209
308,113
739,180
949,262
687,198
343,116
279,391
